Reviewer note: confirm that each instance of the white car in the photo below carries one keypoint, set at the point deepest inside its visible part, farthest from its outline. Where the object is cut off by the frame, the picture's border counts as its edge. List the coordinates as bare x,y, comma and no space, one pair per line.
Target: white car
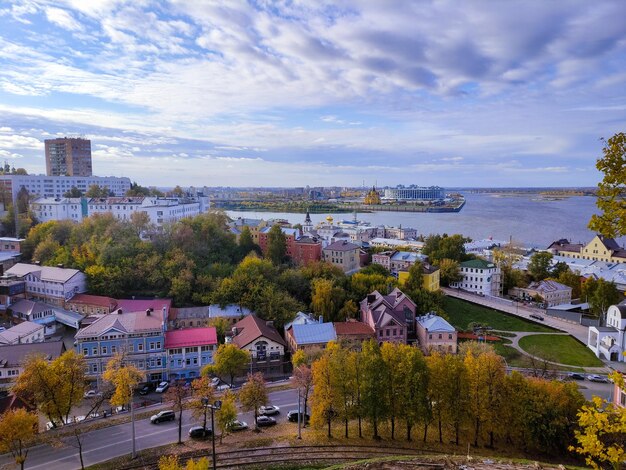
91,394
238,425
215,381
269,410
162,387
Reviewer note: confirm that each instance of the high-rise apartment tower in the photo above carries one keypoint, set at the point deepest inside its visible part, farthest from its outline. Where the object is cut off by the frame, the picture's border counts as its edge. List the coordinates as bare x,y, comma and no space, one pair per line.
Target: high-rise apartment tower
68,157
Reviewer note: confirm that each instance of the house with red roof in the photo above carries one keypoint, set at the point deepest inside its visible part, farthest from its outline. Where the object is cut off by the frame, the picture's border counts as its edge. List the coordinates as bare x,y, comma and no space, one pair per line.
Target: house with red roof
262,340
88,304
188,351
352,333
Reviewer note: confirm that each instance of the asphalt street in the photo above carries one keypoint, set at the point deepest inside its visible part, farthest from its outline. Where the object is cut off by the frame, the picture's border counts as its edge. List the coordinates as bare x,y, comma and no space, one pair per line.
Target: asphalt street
107,443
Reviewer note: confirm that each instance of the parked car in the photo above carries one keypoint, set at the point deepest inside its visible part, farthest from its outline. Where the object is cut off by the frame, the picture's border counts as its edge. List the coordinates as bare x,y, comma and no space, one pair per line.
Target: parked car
145,390
536,317
162,387
215,381
575,376
223,387
598,378
293,416
238,425
265,421
165,415
269,410
91,394
199,432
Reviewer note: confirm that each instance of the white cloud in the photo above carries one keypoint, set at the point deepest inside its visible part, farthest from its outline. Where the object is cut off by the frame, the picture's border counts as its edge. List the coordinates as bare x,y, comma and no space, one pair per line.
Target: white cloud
63,19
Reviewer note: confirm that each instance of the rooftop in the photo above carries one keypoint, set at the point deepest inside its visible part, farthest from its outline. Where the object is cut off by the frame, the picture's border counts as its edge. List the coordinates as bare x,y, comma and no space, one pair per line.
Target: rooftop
88,299
251,327
314,333
346,328
18,331
126,323
15,354
433,322
478,264
342,246
47,273
190,337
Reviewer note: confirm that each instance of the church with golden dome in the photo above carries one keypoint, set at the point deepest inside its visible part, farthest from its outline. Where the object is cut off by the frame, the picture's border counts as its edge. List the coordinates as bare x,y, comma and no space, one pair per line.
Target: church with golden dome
372,197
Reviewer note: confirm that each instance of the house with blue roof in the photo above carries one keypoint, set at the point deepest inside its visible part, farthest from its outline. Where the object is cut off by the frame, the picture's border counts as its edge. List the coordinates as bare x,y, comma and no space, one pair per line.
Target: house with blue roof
434,333
310,335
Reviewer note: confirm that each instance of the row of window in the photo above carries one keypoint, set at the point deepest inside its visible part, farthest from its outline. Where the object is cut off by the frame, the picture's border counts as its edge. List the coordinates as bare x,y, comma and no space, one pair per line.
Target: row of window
394,331
9,373
430,335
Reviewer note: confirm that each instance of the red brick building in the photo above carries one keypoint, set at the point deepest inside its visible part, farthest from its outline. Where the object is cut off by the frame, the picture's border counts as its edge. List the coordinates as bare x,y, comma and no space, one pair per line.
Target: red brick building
302,250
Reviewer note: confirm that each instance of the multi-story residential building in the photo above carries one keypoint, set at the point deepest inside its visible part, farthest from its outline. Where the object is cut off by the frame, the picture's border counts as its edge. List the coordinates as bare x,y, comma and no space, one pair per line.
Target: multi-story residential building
161,211
88,304
188,351
57,186
53,285
10,244
47,209
550,292
309,336
189,317
13,357
36,312
302,250
396,261
344,255
609,342
436,334
599,249
254,225
22,333
11,290
260,338
139,335
68,157
399,233
392,316
479,276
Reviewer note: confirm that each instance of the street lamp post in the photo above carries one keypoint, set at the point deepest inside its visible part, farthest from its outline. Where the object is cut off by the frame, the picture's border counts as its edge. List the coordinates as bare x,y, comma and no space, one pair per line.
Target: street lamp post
299,417
132,423
216,406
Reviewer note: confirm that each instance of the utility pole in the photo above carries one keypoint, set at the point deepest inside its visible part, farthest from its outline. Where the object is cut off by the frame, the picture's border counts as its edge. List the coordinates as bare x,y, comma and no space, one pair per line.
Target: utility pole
132,422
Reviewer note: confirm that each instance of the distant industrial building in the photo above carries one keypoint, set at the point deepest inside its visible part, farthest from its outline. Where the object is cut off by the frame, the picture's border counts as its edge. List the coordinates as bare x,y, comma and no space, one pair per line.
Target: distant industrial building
415,193
68,157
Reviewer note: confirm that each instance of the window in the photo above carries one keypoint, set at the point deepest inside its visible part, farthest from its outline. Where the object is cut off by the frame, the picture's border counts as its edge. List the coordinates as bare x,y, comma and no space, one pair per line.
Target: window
430,336
113,349
395,332
104,350
387,332
449,335
85,352
94,351
94,367
140,347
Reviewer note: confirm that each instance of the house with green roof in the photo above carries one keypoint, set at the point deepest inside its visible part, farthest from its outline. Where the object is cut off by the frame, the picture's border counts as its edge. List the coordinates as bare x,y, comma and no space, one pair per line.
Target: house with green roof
479,276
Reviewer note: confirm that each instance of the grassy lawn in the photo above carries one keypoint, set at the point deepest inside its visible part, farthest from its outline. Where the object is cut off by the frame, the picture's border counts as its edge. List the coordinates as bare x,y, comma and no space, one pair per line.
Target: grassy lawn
559,348
461,313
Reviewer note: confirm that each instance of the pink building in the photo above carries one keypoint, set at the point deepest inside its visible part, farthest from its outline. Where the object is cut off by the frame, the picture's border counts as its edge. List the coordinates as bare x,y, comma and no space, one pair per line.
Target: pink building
436,334
391,316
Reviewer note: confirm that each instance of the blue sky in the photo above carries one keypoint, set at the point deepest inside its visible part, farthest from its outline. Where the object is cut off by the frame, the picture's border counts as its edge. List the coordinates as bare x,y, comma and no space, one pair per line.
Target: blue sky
298,92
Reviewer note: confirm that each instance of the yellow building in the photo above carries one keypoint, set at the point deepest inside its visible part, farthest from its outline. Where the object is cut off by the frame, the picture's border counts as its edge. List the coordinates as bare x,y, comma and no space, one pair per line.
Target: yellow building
430,280
372,197
599,249
254,225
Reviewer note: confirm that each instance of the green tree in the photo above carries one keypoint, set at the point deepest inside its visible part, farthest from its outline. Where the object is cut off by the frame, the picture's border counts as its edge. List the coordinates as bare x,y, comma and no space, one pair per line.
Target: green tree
438,247
375,407
540,264
573,280
17,430
413,386
54,387
246,243
221,325
74,192
363,284
611,195
342,380
276,245
96,191
227,414
253,395
391,354
415,279
601,295
229,361
449,271
326,299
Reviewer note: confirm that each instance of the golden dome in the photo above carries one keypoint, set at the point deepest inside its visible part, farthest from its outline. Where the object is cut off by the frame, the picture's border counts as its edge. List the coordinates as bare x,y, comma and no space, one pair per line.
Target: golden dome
329,219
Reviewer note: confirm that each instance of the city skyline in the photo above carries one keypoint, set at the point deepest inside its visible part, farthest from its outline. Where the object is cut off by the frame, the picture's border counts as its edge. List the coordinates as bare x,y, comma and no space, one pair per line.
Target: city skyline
316,93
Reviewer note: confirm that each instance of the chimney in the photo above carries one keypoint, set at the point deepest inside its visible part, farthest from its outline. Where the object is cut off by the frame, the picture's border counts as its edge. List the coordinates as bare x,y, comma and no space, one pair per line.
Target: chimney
321,319
269,323
148,312
235,331
119,311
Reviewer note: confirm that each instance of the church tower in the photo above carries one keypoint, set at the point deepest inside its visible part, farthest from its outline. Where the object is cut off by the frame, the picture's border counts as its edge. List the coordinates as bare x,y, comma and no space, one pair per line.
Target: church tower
308,225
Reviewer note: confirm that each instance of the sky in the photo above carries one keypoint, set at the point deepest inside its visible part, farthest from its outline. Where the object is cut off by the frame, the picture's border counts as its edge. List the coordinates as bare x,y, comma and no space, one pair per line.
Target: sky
310,92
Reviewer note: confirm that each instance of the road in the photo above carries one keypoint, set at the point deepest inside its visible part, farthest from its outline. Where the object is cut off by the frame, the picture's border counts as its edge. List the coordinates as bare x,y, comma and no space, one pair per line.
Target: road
107,443
518,309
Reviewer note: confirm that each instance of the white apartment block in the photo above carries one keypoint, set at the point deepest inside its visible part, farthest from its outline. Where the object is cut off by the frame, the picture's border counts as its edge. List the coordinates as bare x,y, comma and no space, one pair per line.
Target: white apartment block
52,285
57,186
47,209
161,211
479,276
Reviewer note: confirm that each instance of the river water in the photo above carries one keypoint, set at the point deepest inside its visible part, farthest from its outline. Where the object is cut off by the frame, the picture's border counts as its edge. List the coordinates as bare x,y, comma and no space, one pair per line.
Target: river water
526,218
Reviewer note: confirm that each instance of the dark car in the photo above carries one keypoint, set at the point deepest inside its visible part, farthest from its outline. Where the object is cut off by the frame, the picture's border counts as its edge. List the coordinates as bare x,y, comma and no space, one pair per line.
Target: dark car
575,376
199,432
293,416
265,421
145,390
536,317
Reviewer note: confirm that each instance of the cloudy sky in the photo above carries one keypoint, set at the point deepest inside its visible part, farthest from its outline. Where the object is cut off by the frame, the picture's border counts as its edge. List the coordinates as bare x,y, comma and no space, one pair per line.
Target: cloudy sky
309,92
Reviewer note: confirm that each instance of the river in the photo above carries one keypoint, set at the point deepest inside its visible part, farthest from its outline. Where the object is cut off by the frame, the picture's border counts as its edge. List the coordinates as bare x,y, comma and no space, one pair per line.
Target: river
526,218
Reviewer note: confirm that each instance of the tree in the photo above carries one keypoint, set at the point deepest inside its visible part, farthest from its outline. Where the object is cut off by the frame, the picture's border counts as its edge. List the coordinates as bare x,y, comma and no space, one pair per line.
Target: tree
391,355
202,392
228,360
539,266
326,299
413,387
276,245
449,271
362,284
438,247
415,279
124,378
73,192
253,395
303,380
324,394
375,407
342,378
221,325
573,280
600,294
246,243
96,191
227,414
171,462
54,387
177,393
17,429
611,194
